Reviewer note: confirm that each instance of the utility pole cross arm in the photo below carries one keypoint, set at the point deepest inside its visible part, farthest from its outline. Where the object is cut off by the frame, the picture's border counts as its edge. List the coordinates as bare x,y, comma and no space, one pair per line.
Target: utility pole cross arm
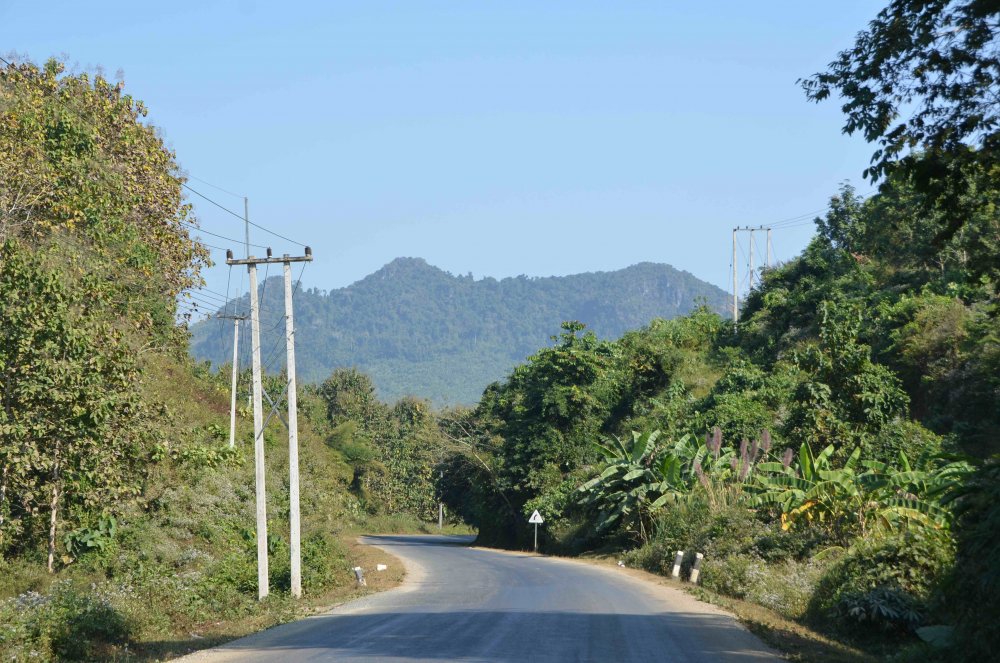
269,260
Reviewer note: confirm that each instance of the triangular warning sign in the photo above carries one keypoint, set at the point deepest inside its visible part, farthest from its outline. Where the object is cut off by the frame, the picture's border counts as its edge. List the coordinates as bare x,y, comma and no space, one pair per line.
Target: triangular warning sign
536,518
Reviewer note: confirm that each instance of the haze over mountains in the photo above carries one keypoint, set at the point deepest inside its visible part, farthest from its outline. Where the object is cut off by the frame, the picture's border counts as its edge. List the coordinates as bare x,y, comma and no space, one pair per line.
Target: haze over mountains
419,330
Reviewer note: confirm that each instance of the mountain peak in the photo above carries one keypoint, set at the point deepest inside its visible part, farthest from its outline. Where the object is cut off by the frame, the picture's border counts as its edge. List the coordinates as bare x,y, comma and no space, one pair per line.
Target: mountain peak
405,267
407,262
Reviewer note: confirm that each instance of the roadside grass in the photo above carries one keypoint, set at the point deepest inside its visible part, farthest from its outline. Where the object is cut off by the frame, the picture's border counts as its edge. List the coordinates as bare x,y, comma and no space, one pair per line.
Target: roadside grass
180,573
280,608
795,640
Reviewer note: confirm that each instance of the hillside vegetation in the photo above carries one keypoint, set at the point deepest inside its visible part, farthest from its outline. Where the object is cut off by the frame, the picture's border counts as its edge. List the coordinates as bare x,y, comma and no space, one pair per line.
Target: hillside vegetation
834,455
126,520
418,330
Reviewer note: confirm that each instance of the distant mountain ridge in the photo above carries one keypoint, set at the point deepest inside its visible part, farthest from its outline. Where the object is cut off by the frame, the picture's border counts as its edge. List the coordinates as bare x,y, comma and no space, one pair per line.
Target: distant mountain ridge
419,330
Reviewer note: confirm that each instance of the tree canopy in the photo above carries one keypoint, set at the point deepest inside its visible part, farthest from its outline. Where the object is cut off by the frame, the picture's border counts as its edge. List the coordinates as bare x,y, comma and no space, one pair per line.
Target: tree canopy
935,61
921,83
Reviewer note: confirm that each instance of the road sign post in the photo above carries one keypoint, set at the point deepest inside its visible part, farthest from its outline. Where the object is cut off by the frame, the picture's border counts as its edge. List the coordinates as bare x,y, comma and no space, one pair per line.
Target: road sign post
536,519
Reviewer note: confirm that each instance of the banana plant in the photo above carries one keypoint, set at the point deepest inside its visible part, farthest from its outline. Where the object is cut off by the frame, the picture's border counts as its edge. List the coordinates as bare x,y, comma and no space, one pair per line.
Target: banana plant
912,495
880,499
634,482
812,491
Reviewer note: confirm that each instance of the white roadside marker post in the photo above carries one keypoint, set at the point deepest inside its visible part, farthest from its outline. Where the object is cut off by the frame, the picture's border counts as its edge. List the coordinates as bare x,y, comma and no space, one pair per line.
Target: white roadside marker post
678,558
696,569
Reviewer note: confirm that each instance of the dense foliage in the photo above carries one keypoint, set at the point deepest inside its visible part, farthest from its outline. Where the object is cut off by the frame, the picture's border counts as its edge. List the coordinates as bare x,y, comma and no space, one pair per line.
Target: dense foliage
126,521
392,450
418,330
920,82
80,169
74,430
833,456
91,207
822,454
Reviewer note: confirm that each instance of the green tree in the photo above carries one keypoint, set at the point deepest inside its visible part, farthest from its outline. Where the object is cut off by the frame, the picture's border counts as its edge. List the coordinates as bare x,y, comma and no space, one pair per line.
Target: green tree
392,449
920,82
73,429
79,168
975,581
844,397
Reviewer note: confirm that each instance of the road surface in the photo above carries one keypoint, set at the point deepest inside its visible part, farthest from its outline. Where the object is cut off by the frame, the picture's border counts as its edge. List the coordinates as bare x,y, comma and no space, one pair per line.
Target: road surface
467,604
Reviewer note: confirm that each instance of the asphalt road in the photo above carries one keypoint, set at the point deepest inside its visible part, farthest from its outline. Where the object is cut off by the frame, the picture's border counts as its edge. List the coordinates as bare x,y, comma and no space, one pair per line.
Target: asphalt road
467,604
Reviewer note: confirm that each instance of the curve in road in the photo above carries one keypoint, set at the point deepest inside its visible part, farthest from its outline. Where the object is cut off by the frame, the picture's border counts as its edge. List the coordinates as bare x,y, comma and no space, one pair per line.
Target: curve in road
469,604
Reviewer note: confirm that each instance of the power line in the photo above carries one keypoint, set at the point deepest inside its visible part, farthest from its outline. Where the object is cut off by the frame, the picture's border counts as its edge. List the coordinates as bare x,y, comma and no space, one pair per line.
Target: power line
215,292
241,218
215,306
274,348
203,298
219,205
215,186
211,246
229,278
202,230
796,219
205,294
803,219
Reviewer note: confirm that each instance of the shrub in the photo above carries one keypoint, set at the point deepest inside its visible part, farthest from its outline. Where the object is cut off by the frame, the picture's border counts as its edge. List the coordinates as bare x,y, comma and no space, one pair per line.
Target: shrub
98,538
69,623
785,587
973,594
776,545
238,570
716,531
323,563
884,585
733,575
694,525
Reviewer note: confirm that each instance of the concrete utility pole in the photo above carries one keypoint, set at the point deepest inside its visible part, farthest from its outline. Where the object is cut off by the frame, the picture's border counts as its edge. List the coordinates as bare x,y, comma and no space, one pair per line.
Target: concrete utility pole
736,308
236,372
258,435
441,511
293,439
293,443
236,344
751,274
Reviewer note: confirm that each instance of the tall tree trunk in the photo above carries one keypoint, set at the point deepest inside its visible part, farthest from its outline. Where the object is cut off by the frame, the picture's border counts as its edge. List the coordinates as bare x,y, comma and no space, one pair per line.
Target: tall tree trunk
52,526
3,490
3,494
54,511
6,466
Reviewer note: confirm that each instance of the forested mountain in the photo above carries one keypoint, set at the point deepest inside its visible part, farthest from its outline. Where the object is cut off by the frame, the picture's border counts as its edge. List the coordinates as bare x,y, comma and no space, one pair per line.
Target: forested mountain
423,331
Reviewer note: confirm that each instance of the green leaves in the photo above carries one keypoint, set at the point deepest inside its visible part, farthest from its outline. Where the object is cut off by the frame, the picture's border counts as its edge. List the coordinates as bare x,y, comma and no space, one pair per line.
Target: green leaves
882,498
86,539
631,485
934,58
76,429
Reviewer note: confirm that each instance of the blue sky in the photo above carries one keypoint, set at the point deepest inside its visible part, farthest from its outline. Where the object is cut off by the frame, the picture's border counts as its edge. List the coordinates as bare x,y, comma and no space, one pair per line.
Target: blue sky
498,138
